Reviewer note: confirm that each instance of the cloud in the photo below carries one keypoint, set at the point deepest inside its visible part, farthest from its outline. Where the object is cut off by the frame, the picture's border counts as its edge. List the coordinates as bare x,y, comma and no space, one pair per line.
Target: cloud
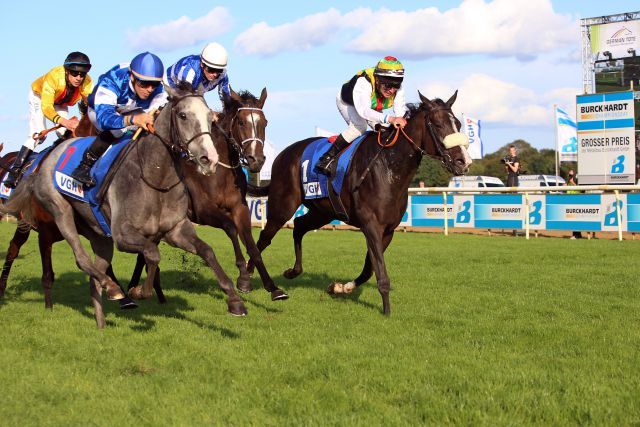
503,103
183,32
519,28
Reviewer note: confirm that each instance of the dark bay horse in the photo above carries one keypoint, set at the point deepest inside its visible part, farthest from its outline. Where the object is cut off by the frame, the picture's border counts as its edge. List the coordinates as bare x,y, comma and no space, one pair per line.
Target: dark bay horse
146,201
374,192
220,201
48,234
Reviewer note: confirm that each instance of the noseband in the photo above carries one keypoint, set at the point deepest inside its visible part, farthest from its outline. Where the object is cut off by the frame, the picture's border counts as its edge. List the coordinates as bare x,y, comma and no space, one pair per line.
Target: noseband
238,146
175,143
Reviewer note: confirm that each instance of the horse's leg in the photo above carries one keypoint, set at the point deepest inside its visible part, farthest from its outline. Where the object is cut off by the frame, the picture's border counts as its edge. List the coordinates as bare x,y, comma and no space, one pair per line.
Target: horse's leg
45,242
243,284
374,234
19,238
103,249
137,273
367,271
301,225
66,224
242,220
126,303
184,236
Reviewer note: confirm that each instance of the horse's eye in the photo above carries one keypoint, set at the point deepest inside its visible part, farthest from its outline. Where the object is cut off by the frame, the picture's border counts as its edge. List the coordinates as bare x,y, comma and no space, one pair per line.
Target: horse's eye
183,115
241,122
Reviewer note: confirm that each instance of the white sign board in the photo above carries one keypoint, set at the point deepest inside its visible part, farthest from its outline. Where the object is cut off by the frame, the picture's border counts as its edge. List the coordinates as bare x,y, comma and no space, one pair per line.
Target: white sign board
606,138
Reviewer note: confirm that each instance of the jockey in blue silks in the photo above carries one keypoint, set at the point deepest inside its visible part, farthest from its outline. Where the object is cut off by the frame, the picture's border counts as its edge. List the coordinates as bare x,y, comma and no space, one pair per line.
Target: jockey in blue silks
121,102
207,70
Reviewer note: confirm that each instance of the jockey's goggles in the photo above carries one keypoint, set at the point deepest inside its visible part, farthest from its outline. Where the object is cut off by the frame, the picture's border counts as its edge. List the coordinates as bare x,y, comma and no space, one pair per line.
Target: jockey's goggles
212,70
391,84
75,73
145,84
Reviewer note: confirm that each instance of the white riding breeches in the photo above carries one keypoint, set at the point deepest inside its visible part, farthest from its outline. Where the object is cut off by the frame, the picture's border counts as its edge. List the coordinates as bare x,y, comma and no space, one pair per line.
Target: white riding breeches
357,124
37,120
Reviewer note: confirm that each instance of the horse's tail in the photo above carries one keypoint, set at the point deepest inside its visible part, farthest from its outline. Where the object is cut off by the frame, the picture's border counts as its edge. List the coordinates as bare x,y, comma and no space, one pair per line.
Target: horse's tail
20,203
256,191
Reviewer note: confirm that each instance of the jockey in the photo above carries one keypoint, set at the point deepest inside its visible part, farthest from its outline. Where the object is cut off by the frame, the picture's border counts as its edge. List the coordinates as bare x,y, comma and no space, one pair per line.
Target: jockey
207,70
50,97
120,103
361,102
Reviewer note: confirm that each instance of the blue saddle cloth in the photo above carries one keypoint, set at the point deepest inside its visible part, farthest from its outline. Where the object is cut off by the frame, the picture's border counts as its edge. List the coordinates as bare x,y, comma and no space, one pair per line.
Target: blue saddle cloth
32,164
71,158
316,185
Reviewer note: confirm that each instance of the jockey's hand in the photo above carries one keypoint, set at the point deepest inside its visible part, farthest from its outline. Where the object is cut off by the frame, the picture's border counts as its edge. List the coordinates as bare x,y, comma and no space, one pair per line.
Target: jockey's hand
70,124
143,120
399,122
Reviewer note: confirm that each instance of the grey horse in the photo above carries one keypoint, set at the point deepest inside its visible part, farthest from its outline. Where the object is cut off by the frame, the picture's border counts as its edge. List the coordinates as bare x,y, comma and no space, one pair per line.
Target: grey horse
146,201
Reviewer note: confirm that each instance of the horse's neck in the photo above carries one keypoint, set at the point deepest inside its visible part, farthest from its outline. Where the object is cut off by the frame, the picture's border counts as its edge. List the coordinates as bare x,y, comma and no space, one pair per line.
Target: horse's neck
403,159
158,164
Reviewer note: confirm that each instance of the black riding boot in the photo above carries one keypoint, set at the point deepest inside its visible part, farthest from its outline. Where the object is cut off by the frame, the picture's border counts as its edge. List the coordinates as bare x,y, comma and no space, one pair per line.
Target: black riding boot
83,172
16,168
324,162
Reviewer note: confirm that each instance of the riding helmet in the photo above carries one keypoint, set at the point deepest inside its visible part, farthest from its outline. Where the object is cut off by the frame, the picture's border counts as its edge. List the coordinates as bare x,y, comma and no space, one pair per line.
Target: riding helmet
147,67
77,61
215,55
389,67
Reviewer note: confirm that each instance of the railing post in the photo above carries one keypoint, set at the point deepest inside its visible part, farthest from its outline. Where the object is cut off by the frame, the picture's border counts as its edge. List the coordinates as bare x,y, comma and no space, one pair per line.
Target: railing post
618,214
526,215
446,214
263,212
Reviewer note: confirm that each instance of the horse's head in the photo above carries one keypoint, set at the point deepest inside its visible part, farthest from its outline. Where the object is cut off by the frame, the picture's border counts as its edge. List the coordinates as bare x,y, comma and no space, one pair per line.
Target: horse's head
247,126
190,128
443,129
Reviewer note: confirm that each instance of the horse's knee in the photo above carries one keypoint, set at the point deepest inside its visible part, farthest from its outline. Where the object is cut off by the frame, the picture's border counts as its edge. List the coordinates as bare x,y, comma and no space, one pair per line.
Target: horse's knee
384,285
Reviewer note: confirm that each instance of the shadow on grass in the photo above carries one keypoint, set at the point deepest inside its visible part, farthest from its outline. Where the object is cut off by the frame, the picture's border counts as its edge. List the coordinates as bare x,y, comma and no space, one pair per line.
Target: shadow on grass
72,290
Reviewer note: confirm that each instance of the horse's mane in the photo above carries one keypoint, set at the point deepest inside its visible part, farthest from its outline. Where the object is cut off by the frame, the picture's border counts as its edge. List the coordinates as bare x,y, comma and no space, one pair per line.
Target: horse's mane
230,105
415,108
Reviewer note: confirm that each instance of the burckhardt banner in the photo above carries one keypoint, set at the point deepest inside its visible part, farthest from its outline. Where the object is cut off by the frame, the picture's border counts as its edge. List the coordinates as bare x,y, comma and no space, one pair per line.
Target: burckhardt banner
619,38
566,136
606,138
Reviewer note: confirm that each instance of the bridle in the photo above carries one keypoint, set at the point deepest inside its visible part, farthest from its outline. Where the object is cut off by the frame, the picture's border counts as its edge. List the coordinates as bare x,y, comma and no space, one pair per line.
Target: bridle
238,146
174,144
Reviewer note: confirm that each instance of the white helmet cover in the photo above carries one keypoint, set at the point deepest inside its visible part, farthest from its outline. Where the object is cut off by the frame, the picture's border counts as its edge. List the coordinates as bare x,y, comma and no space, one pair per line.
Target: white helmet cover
215,56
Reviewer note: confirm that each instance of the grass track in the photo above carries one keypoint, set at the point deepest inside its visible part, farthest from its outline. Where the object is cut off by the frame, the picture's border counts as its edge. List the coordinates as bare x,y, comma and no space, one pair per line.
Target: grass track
484,330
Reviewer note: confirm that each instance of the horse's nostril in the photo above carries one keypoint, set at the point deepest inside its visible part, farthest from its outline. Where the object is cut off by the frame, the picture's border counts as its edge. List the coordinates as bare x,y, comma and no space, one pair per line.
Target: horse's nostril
204,160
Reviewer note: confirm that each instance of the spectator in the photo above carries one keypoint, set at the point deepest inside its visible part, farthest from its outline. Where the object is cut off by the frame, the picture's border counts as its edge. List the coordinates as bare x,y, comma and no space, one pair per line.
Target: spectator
512,166
571,181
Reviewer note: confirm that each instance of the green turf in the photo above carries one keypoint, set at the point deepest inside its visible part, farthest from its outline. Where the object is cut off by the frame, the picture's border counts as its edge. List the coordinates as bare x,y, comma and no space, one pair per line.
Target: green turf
483,330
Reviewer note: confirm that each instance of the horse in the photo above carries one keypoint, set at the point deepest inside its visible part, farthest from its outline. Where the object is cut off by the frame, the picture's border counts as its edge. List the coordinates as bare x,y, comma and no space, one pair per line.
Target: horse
48,234
220,201
146,201
374,192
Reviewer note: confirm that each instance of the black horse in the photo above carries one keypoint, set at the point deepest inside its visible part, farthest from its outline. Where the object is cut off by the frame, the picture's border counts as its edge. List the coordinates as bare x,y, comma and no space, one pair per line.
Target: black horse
374,192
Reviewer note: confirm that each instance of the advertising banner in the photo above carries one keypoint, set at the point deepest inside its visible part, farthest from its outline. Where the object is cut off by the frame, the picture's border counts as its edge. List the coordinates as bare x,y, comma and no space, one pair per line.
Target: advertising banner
633,212
537,212
471,127
618,38
606,138
566,134
611,209
499,211
573,212
463,209
428,210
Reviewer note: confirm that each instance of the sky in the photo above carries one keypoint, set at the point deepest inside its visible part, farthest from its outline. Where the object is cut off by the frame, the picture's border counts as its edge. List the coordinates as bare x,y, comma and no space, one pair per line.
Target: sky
511,60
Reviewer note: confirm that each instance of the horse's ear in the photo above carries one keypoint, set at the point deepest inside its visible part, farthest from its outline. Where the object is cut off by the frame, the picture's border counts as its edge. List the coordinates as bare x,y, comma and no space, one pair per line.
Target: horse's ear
263,97
452,99
170,91
234,95
423,98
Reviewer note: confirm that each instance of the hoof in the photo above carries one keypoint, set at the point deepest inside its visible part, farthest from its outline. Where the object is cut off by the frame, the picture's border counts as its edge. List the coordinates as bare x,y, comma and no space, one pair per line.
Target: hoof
244,286
237,308
115,294
291,273
136,293
335,288
127,303
278,294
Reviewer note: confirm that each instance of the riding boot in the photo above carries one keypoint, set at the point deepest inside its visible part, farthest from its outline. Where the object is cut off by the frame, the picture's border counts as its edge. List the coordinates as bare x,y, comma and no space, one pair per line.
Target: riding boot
324,162
83,172
16,168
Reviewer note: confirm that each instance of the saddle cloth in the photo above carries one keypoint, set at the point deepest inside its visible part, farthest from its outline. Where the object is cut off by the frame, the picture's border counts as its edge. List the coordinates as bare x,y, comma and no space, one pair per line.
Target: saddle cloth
31,165
68,186
315,185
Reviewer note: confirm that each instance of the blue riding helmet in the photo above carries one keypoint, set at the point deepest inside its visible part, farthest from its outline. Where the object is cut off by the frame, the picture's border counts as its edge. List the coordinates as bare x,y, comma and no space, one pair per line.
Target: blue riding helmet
147,67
